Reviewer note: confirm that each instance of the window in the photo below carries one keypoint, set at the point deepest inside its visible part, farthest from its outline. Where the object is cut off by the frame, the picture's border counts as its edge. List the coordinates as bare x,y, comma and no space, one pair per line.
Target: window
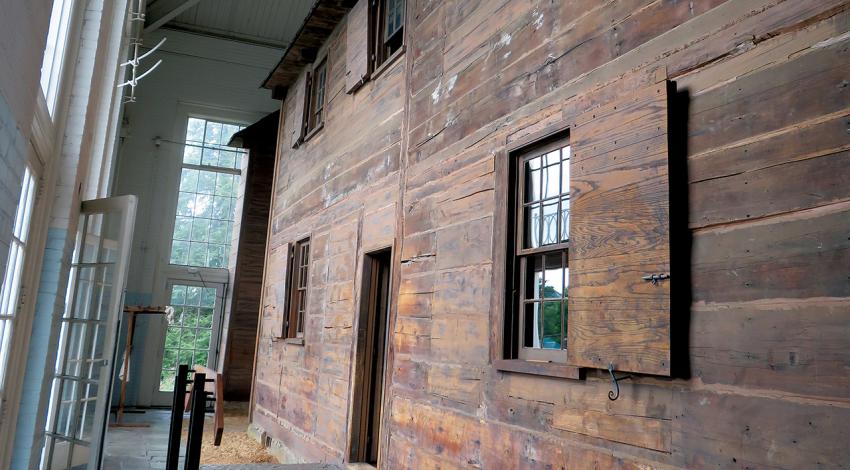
209,186
190,330
316,97
587,250
11,287
299,262
541,263
54,52
387,30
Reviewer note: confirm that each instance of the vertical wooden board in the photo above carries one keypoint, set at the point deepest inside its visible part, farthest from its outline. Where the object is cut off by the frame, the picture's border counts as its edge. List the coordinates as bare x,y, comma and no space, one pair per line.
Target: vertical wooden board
357,46
619,233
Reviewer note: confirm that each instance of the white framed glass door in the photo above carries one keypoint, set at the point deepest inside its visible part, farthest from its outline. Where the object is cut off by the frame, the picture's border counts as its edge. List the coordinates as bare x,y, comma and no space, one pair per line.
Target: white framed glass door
193,331
82,377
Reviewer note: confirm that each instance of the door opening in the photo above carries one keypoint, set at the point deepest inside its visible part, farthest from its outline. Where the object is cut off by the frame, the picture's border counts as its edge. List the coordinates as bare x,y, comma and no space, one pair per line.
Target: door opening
371,357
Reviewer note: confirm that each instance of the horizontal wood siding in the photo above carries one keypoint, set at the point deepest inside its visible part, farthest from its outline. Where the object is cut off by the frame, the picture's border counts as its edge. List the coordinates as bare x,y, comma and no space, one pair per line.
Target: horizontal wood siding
759,217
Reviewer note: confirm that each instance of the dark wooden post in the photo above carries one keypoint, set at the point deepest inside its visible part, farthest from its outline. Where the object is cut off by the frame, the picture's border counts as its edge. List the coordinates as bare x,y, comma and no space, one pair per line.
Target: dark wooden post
176,427
196,422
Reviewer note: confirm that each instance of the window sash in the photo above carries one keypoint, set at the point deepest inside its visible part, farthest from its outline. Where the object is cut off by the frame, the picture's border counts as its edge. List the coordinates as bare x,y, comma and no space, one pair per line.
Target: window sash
298,284
522,254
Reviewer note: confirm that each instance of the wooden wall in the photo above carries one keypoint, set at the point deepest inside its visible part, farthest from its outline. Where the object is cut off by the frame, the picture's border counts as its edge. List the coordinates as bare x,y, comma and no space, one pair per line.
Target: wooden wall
760,210
247,258
341,188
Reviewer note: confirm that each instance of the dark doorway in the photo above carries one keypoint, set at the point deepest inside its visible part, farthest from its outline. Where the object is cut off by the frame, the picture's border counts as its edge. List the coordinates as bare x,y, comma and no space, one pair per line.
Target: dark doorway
371,357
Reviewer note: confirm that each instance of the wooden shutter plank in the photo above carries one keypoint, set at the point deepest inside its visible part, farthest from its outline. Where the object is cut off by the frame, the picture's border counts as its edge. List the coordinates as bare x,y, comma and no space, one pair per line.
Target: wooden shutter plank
357,46
295,117
619,233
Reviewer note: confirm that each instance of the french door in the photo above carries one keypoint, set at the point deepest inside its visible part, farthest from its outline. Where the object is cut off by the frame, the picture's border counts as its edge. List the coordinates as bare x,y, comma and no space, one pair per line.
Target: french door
192,334
82,377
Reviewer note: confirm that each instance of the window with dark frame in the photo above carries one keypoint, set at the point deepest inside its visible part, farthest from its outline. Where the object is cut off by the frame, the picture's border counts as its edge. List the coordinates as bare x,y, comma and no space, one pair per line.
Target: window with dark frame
299,262
316,81
540,263
386,19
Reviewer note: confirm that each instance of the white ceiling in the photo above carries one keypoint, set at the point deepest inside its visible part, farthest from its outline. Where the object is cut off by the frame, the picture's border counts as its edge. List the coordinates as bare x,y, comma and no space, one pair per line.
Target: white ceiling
263,22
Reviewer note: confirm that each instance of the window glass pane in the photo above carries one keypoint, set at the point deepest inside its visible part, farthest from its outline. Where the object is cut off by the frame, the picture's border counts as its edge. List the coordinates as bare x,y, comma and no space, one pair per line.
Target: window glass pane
190,317
532,180
550,222
221,209
218,232
197,254
206,182
189,180
211,157
552,178
565,219
182,228
195,130
192,155
224,185
212,135
200,230
532,226
554,276
216,256
185,204
205,318
179,252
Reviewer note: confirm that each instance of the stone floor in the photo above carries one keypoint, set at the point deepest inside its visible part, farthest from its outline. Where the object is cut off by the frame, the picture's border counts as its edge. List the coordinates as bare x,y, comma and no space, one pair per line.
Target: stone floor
138,448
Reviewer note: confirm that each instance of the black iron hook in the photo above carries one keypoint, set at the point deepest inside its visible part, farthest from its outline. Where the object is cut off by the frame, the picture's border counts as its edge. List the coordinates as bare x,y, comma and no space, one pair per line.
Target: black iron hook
615,385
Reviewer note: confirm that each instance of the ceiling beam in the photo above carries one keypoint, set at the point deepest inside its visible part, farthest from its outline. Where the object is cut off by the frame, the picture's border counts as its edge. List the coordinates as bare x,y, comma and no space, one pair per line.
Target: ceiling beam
163,11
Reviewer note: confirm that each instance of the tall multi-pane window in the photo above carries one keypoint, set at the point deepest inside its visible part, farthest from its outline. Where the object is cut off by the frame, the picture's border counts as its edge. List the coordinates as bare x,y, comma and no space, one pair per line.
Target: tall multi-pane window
209,186
11,287
541,263
54,52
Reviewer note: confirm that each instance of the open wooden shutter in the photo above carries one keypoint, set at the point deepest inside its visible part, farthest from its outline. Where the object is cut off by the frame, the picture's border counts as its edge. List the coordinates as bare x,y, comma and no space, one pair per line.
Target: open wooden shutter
619,235
296,114
357,46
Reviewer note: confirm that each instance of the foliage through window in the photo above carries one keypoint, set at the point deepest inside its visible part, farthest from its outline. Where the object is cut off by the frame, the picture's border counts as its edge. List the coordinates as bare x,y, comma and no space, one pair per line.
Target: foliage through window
190,330
10,288
541,263
209,186
386,19
299,262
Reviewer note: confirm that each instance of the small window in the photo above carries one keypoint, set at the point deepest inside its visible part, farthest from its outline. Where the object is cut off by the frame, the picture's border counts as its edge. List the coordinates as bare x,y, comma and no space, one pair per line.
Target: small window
316,96
10,288
299,262
206,202
541,260
387,30
54,51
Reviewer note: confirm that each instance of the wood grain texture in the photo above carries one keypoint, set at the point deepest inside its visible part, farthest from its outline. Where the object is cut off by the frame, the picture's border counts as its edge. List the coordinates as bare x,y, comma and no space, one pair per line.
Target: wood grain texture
357,46
759,309
619,232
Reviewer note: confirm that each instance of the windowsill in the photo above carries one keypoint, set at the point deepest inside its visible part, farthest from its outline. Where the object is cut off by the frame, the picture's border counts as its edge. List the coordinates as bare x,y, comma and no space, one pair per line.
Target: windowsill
549,369
295,341
312,132
387,63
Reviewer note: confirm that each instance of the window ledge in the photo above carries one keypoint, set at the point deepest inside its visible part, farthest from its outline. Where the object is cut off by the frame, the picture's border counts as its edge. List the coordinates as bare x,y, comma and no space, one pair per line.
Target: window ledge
312,132
387,63
295,341
549,369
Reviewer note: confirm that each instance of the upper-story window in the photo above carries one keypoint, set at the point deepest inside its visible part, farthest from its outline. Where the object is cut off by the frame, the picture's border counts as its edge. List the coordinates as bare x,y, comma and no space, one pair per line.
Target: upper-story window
54,51
541,264
10,288
209,186
387,30
316,83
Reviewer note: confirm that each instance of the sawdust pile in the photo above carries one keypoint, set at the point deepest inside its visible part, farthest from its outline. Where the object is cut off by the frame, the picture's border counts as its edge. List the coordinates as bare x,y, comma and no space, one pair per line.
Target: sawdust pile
236,446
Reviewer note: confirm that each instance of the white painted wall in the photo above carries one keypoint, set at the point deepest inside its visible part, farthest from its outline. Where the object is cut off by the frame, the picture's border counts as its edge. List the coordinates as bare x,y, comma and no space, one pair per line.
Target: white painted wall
199,76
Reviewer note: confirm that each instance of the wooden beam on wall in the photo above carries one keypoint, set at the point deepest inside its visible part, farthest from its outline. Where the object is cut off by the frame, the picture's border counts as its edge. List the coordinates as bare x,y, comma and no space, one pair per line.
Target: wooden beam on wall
163,11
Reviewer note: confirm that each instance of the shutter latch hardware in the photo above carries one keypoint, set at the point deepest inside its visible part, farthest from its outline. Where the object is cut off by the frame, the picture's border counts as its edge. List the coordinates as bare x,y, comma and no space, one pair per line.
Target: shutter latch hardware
655,278
614,393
